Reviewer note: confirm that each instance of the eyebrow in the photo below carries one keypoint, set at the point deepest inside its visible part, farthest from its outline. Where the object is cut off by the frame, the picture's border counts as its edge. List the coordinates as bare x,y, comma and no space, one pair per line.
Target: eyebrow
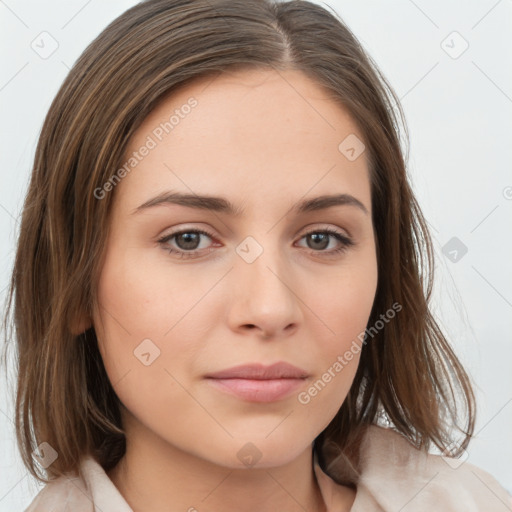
222,205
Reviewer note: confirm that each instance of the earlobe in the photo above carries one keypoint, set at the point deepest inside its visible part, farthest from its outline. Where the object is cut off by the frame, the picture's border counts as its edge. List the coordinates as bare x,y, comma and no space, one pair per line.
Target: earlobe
81,325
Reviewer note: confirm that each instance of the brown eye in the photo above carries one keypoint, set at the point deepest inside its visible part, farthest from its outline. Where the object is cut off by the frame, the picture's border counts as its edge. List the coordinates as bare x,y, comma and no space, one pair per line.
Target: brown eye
187,242
319,240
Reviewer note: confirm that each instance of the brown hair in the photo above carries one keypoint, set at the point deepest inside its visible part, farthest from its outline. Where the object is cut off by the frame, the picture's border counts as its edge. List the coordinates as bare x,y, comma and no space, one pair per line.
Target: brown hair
63,394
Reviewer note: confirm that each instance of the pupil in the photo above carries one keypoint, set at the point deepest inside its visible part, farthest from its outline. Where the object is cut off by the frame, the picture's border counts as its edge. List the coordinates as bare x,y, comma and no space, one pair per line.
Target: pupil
189,239
321,237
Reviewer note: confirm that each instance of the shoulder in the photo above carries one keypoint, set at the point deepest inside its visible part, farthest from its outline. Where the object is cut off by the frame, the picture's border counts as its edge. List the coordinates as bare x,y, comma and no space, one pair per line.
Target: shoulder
92,490
392,474
397,473
65,494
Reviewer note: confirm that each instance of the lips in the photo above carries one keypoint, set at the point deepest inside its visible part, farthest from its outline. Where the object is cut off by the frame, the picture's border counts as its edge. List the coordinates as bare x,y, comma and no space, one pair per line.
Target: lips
261,372
259,383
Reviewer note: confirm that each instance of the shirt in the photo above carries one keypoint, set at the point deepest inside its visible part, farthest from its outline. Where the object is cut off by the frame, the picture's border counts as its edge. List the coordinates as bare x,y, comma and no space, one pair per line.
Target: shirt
392,475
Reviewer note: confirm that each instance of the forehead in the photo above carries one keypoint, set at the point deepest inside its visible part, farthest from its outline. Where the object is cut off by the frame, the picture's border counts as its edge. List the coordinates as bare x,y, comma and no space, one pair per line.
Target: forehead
257,133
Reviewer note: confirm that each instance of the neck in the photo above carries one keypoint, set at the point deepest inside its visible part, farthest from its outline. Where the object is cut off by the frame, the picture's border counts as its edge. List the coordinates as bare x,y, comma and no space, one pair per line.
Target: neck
154,475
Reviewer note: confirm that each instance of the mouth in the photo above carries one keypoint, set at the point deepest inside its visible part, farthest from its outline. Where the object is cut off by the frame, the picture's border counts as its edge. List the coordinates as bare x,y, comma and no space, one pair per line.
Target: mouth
259,383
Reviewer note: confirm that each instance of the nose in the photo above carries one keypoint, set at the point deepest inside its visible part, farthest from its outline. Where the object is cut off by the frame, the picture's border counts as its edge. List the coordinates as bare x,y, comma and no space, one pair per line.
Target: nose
264,300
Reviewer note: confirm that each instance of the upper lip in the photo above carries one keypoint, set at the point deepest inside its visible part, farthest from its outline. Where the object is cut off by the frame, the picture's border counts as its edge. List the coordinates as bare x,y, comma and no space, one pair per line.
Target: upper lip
259,371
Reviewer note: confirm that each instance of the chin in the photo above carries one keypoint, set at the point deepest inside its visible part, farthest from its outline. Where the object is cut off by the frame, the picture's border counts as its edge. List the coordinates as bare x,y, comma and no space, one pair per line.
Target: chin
258,453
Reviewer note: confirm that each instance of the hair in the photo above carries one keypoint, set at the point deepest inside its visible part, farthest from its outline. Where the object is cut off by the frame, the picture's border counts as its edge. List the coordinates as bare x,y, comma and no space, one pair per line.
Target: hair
63,394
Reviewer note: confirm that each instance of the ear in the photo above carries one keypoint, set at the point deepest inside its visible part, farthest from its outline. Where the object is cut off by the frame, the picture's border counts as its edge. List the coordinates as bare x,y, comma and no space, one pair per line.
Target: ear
80,325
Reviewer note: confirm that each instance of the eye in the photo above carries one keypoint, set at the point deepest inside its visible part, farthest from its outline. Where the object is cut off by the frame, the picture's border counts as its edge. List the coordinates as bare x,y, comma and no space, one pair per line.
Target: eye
188,242
320,239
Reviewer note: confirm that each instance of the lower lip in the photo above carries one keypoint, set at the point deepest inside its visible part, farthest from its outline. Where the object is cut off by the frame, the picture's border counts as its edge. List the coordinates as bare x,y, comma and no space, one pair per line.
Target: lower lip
269,390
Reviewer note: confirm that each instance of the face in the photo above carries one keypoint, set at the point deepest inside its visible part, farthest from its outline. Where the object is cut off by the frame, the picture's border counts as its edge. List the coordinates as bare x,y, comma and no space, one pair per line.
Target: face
186,291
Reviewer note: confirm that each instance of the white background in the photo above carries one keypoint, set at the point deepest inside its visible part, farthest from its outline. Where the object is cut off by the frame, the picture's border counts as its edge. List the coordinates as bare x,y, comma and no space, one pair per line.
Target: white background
459,113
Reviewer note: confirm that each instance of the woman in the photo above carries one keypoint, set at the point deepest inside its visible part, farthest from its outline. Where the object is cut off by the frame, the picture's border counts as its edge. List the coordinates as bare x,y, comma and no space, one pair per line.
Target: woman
183,343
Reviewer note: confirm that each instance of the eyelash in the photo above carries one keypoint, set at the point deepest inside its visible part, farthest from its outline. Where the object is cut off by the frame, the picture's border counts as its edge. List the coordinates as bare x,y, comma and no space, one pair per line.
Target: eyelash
345,242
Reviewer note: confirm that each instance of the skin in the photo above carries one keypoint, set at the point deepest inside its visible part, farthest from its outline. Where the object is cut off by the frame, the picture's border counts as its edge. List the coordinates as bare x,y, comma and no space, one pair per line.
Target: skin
263,140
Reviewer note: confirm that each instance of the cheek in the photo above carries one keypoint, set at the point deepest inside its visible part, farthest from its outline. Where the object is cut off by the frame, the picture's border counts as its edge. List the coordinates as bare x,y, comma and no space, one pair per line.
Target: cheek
135,294
144,316
344,307
323,397
336,357
345,304
140,298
